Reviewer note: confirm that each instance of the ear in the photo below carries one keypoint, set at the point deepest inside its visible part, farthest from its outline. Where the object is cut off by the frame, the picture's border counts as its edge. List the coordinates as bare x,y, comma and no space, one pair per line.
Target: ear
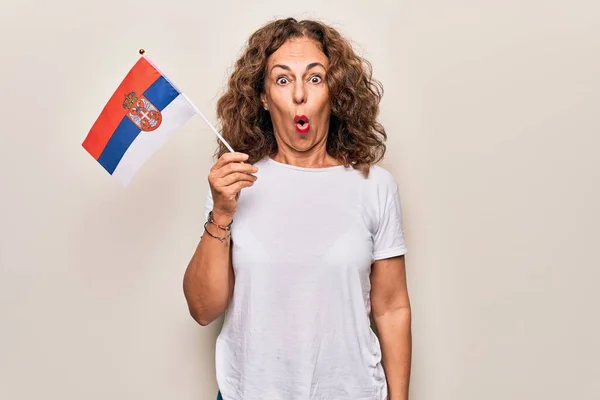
263,99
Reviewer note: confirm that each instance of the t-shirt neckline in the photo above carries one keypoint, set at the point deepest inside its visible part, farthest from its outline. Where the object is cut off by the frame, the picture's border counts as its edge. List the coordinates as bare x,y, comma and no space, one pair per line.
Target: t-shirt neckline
305,169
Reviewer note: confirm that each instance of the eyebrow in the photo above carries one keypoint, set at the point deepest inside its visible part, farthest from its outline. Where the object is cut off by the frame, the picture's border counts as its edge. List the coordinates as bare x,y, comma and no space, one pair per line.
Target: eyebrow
309,66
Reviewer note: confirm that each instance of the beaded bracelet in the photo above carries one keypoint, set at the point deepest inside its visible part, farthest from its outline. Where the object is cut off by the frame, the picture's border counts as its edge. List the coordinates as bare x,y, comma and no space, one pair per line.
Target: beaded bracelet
212,221
222,239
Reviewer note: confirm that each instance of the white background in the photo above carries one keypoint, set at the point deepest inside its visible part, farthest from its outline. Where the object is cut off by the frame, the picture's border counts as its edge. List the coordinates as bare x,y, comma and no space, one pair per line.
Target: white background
492,108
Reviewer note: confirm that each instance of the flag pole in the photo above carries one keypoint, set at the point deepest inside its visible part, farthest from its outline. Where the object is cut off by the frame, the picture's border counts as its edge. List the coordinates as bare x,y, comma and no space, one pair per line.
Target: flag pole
221,138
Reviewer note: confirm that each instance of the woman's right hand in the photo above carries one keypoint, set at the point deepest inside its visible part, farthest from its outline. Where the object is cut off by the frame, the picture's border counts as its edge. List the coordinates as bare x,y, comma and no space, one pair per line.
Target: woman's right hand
228,176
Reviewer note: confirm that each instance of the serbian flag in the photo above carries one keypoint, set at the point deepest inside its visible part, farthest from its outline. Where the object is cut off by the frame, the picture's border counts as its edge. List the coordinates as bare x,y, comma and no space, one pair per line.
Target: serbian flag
140,116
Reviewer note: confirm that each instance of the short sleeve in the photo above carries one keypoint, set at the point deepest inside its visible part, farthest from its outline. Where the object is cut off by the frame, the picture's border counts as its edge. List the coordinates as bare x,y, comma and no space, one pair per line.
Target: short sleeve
388,240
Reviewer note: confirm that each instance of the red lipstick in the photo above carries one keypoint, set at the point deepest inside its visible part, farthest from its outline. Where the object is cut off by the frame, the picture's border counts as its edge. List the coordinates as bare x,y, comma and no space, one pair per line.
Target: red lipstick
302,123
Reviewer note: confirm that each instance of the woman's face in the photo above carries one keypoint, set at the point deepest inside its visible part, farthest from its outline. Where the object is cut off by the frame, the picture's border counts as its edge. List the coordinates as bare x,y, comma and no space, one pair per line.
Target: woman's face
297,96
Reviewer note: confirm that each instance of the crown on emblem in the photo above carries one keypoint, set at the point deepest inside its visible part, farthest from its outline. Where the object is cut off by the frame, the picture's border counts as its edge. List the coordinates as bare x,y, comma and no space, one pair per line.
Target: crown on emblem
130,99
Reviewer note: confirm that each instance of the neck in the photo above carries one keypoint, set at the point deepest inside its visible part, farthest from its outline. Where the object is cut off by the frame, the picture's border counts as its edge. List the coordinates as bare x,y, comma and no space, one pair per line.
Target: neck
314,158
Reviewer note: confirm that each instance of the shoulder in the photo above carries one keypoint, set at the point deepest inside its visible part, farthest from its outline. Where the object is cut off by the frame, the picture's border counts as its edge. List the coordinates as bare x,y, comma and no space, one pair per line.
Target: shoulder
262,162
381,175
381,180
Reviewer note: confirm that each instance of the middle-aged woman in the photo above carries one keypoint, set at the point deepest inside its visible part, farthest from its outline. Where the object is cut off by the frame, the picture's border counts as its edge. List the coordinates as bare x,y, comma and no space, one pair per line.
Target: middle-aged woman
303,239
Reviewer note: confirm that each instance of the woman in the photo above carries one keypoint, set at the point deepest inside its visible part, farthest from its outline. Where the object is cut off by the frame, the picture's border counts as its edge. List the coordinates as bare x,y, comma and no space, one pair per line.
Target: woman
303,239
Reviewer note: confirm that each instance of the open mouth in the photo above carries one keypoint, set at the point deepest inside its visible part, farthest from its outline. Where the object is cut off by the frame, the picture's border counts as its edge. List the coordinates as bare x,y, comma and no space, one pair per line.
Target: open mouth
302,123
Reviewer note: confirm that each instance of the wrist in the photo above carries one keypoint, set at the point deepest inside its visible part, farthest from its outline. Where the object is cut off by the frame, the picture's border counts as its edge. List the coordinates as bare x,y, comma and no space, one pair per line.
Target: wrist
221,218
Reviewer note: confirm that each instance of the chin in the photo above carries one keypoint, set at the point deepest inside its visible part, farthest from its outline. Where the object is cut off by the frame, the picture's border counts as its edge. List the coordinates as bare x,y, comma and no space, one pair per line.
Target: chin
303,139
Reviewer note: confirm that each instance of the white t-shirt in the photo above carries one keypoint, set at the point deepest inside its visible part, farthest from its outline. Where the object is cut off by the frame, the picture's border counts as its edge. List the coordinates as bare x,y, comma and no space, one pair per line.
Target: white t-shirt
298,325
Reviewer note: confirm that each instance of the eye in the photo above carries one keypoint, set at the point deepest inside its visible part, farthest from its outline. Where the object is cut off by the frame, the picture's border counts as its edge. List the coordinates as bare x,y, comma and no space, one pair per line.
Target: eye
316,79
282,80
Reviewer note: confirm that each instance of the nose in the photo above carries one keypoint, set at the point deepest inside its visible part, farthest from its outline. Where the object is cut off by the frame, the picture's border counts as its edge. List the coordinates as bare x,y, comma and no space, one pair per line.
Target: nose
299,92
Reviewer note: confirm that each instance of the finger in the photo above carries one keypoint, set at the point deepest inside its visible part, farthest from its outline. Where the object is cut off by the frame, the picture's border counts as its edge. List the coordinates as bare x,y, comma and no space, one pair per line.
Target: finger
230,179
235,167
238,186
233,190
230,157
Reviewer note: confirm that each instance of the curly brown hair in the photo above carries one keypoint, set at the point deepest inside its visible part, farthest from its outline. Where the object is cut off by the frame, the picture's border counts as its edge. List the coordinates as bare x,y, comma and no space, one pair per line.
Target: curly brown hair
355,137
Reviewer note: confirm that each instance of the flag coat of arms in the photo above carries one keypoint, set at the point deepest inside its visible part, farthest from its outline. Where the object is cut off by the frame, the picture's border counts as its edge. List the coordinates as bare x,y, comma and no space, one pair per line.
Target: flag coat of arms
140,116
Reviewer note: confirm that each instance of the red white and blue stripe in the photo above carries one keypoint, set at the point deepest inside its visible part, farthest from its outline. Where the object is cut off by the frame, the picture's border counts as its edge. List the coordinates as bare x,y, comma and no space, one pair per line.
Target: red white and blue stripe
140,116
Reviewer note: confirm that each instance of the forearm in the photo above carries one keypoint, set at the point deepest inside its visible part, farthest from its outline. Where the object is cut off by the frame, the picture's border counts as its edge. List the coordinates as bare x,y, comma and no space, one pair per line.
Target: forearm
394,327
208,280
